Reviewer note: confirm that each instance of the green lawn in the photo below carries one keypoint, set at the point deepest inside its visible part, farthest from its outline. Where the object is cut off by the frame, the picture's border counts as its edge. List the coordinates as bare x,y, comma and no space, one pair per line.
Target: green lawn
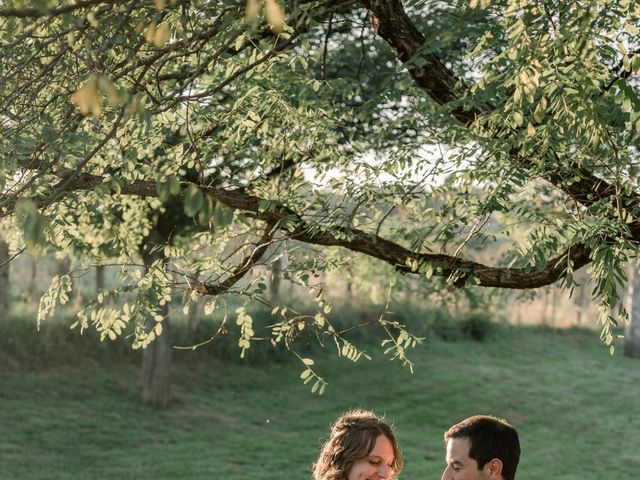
576,409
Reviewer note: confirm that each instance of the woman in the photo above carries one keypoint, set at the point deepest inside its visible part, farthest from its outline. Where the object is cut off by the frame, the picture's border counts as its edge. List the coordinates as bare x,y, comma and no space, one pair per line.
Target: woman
361,446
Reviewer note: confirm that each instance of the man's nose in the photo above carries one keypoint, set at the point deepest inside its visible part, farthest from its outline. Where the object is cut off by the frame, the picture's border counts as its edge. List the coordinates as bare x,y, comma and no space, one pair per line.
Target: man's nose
445,474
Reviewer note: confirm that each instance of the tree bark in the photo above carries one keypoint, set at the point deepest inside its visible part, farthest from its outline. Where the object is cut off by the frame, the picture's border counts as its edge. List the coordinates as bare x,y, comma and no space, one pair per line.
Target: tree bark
155,377
632,335
4,275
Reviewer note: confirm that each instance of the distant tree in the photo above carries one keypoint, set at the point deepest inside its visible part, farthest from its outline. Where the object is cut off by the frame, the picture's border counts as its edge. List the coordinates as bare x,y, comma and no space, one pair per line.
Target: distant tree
275,280
99,276
315,120
63,266
632,334
155,384
5,281
33,293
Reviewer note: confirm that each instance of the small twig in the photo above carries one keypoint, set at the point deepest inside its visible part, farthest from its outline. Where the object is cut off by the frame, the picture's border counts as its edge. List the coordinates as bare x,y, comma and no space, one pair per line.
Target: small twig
323,67
474,230
10,259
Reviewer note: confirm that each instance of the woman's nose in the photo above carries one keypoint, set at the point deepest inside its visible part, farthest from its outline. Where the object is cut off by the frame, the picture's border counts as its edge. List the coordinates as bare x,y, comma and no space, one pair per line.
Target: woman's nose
384,471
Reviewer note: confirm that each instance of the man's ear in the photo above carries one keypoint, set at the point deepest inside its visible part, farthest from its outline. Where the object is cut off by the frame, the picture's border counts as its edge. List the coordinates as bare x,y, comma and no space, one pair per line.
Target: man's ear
493,468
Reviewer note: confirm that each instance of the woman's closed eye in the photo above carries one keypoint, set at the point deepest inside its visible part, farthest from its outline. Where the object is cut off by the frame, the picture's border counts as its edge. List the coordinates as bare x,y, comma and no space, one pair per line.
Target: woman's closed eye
376,462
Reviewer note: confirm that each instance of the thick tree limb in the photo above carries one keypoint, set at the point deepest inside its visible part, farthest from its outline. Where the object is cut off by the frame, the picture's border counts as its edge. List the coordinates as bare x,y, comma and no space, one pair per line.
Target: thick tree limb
456,269
408,43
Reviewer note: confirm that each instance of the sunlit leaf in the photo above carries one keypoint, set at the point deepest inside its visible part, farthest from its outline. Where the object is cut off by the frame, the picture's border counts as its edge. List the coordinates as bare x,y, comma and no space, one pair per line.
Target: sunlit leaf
253,9
275,15
87,98
161,35
150,32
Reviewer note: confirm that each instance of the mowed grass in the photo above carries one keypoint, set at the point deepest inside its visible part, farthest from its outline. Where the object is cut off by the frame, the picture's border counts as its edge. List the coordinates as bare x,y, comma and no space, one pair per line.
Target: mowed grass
576,407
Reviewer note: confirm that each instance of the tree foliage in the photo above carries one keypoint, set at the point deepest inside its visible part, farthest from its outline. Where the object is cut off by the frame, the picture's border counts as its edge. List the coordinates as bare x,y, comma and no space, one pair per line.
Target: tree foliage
418,133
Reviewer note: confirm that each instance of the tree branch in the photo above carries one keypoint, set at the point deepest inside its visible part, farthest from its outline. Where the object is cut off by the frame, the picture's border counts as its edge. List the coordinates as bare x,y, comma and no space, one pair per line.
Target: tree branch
241,270
621,73
397,29
456,269
54,12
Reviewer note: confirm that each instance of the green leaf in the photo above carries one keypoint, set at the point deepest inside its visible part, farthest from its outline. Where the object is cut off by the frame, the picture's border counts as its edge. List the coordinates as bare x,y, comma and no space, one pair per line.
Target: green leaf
631,28
222,215
239,42
420,61
193,200
315,387
32,223
163,191
206,211
518,119
174,185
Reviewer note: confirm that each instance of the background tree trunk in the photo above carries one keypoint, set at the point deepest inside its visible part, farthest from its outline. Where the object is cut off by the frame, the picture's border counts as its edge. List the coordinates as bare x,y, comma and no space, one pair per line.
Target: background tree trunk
632,335
99,278
32,288
581,296
155,377
4,275
193,319
63,265
274,286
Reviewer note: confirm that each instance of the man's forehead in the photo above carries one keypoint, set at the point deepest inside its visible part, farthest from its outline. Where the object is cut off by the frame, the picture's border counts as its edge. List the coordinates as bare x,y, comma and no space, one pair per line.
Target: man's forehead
458,448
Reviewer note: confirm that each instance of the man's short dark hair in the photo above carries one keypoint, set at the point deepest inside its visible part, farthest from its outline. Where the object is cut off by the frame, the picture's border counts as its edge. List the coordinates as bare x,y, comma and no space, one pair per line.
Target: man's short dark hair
490,438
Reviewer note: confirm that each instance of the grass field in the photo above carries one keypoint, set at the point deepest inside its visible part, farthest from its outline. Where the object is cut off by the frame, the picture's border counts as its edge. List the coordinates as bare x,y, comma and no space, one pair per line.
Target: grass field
575,406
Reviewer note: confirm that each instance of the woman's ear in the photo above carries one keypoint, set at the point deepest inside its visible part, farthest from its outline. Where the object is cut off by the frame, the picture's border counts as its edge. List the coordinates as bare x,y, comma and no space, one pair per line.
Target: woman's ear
493,468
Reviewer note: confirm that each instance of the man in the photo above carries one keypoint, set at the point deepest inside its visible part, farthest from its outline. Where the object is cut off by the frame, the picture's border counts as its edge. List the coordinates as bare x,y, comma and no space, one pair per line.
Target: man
481,448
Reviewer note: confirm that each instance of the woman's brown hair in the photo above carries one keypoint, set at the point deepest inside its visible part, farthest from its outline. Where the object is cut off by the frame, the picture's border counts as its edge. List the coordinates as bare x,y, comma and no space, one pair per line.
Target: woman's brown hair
352,437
